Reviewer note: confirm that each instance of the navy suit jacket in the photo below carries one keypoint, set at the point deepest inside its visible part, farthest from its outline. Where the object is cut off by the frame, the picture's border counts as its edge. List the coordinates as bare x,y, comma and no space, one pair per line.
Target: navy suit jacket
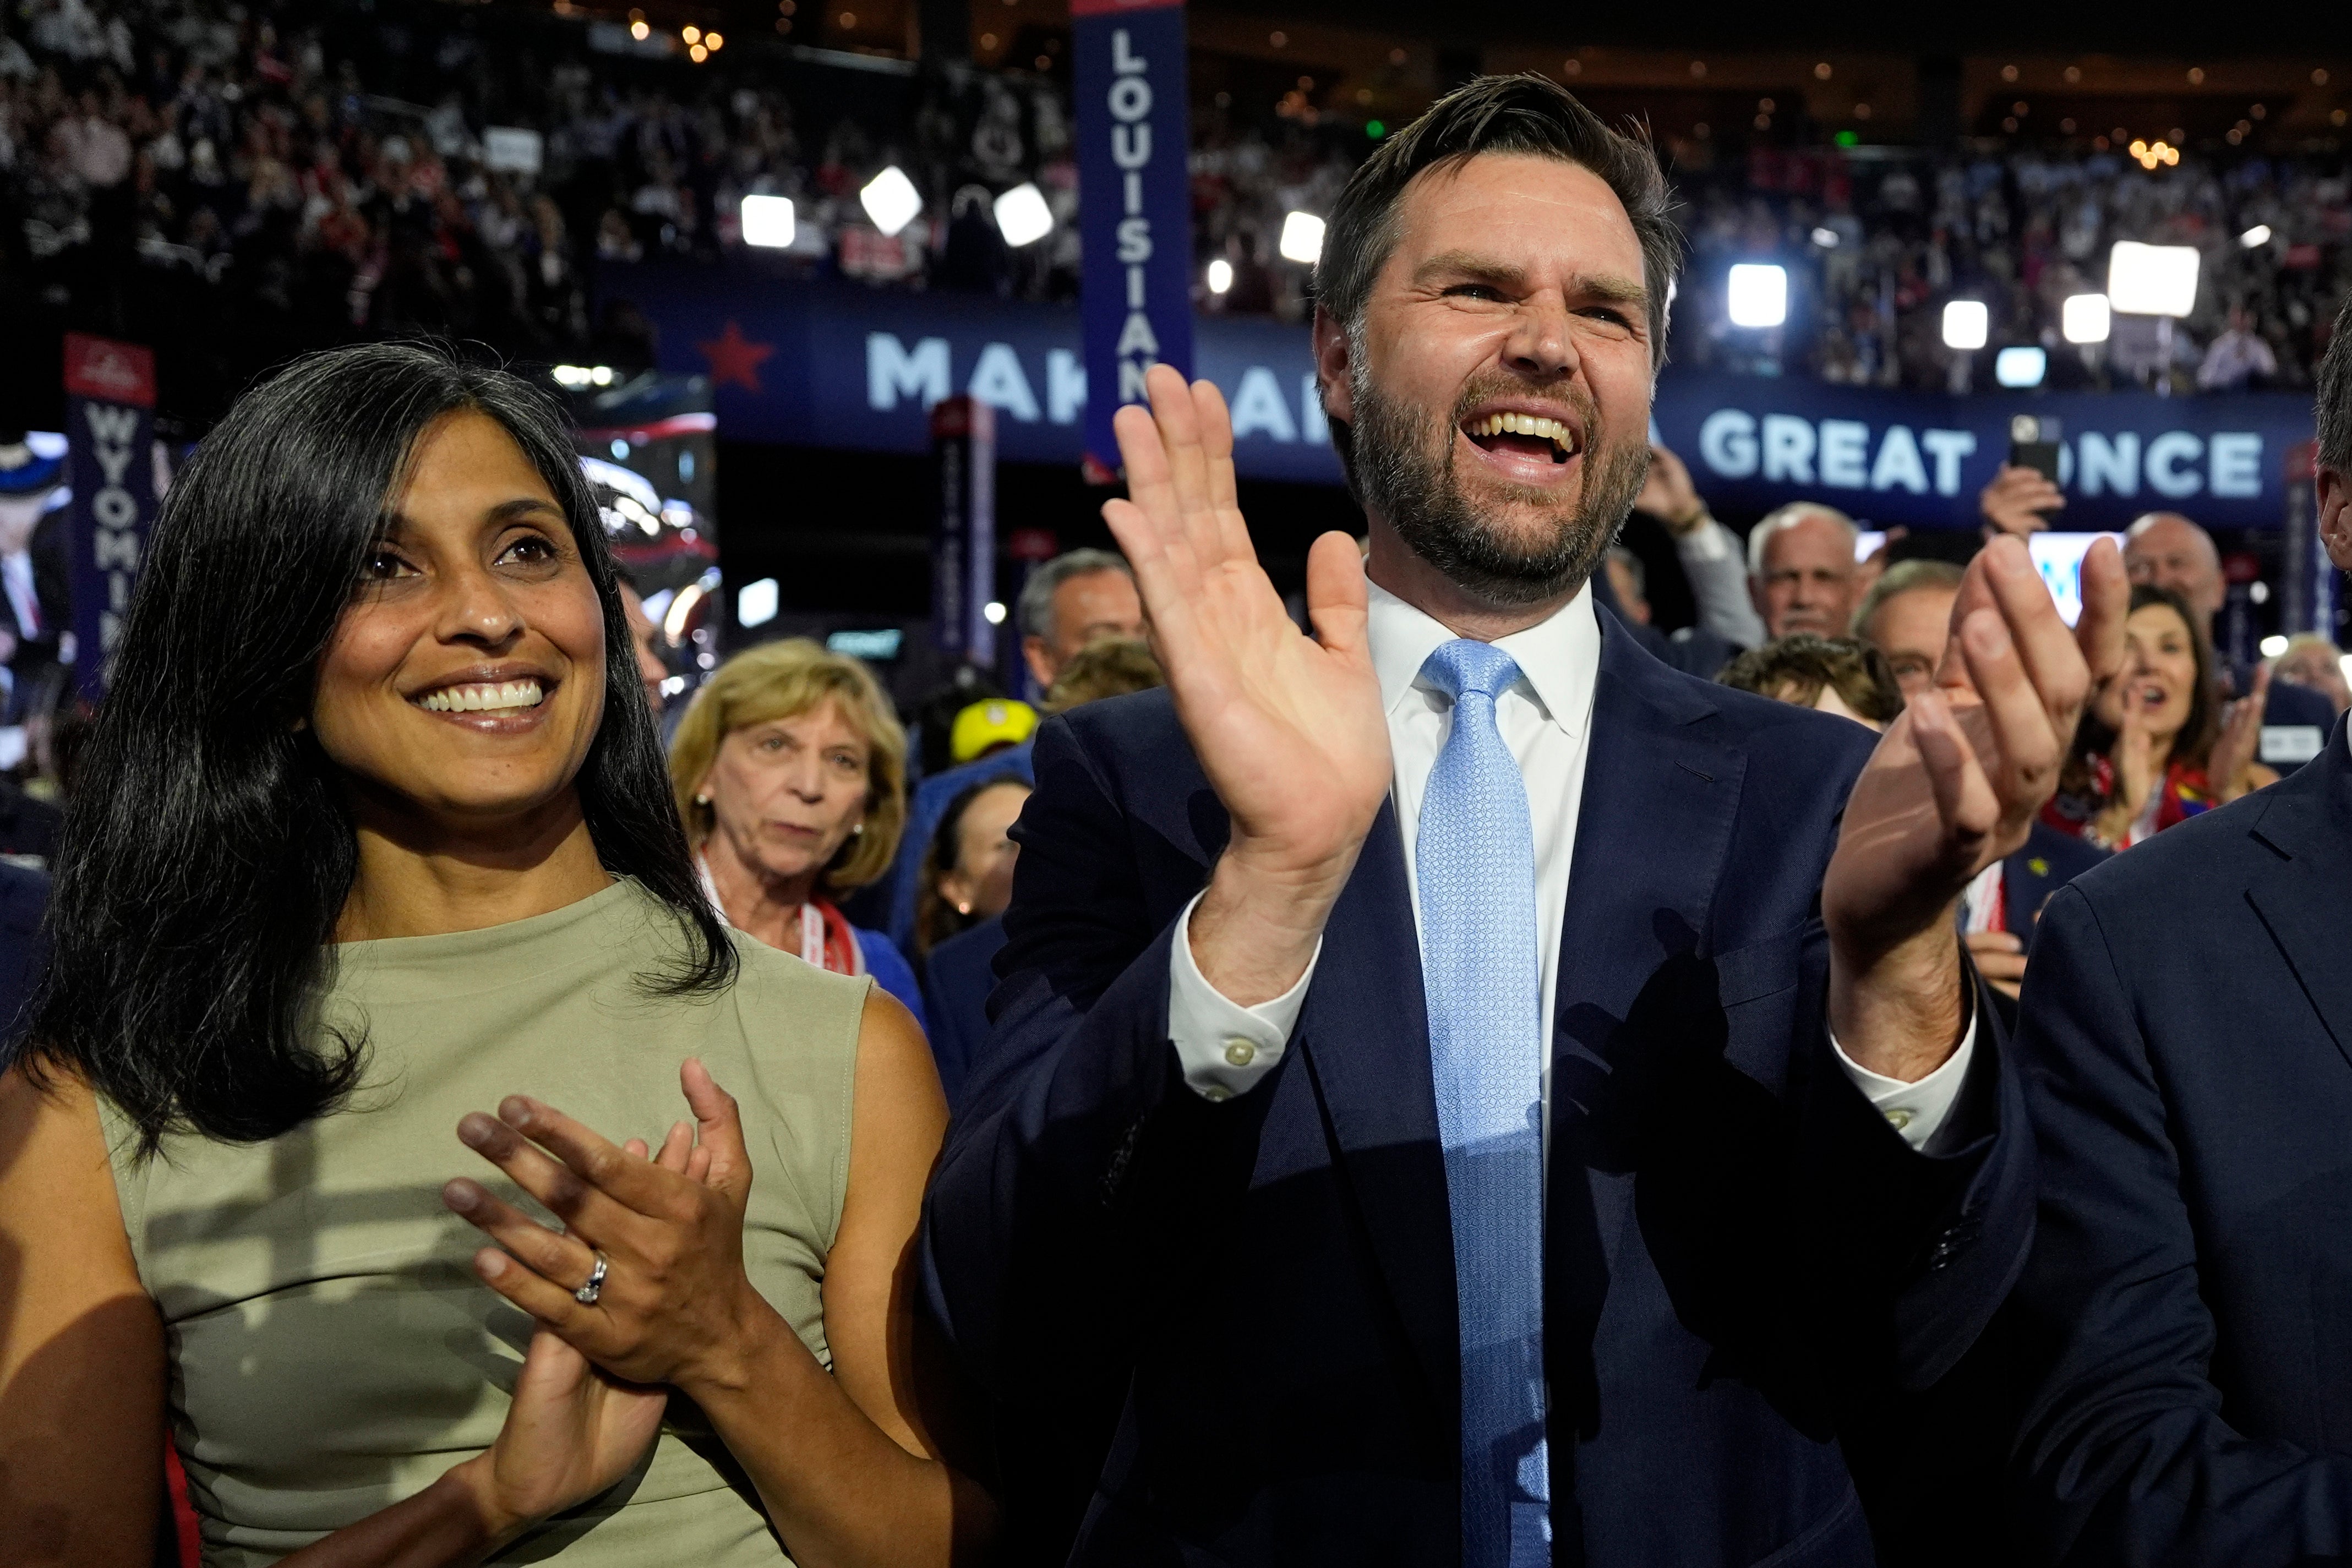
2185,1052
2048,861
957,979
1226,1333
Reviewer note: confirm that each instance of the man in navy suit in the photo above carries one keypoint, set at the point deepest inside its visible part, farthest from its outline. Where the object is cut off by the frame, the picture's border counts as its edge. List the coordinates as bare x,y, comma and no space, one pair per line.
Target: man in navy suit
2187,1053
1459,1095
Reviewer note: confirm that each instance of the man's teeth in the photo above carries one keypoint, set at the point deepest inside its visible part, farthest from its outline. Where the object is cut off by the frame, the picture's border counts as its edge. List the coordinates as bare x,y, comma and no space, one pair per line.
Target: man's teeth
1542,429
487,697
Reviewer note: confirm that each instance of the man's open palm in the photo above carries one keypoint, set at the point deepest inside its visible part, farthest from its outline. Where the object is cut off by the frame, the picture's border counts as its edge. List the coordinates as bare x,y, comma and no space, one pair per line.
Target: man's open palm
1287,728
1962,773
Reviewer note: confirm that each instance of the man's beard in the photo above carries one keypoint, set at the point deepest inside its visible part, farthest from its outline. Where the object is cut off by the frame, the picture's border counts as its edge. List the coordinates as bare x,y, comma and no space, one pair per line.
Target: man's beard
1405,466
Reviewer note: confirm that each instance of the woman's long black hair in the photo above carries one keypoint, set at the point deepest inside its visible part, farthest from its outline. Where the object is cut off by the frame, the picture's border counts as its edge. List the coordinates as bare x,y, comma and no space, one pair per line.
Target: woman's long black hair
208,849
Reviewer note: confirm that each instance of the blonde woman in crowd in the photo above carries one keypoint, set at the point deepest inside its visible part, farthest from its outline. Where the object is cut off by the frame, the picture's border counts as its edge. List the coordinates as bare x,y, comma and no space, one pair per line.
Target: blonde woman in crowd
789,770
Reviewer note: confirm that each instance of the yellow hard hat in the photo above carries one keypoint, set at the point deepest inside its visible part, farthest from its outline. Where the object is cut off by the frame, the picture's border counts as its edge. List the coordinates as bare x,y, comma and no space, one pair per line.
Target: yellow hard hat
985,726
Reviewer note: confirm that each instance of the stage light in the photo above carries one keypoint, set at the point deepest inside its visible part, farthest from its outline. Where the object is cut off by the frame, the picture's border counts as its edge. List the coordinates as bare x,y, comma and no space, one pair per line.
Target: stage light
1757,294
1826,238
2152,280
767,222
600,375
572,376
892,200
1302,238
640,31
993,613
755,604
1021,216
2256,237
2021,366
1221,275
2084,318
2273,645
1967,324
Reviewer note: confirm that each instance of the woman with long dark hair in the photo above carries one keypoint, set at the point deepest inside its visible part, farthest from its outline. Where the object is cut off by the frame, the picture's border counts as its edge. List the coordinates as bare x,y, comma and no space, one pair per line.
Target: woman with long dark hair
2158,744
374,830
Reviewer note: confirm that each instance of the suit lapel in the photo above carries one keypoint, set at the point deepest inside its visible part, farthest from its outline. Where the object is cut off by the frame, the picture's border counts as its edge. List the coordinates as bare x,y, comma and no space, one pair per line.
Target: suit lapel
1364,1033
1652,829
2305,899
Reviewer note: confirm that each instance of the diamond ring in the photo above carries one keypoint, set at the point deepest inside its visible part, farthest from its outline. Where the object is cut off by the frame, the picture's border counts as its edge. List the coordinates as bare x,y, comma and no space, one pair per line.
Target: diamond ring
586,1294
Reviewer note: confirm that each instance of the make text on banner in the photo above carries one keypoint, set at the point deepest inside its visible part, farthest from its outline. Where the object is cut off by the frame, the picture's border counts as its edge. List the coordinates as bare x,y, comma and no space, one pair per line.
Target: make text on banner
1134,203
111,433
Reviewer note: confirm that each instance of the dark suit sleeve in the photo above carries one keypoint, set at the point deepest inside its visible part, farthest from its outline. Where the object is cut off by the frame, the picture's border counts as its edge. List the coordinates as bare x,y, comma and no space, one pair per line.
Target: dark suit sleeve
1081,1159
2124,1457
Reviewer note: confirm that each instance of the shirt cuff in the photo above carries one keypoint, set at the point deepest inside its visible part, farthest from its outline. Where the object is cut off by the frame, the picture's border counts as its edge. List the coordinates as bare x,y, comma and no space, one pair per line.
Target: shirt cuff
1708,541
1225,1048
1917,1111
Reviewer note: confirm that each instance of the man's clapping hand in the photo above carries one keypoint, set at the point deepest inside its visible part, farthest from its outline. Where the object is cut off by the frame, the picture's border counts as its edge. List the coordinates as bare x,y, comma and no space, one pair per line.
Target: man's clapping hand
1288,728
1954,786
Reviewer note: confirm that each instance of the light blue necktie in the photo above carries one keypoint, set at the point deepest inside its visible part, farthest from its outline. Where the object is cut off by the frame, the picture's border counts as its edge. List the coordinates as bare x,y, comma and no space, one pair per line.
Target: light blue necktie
1476,863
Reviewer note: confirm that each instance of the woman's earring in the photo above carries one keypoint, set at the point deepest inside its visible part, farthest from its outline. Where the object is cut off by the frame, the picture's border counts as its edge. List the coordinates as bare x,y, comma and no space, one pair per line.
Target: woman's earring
964,908
857,829
702,800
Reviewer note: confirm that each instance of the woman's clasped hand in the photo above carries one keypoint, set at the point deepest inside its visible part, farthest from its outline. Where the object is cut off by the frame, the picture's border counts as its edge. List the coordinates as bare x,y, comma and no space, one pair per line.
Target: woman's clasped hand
675,1305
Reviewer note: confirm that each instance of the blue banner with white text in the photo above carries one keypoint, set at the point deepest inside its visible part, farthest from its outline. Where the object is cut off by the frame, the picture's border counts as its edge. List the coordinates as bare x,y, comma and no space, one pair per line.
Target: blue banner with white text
823,363
1135,214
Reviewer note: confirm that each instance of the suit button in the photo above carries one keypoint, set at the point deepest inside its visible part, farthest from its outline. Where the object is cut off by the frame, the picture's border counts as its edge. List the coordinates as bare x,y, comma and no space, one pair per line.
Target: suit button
1240,1052
1216,1093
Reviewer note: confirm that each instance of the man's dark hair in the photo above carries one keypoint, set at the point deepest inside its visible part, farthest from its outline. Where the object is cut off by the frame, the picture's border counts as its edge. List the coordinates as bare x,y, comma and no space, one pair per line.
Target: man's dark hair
2333,411
1526,114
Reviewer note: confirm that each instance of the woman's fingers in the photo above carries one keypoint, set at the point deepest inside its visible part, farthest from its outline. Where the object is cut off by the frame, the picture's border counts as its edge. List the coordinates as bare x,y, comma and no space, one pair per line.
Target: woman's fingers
581,1205
550,1302
546,1252
677,1147
719,1128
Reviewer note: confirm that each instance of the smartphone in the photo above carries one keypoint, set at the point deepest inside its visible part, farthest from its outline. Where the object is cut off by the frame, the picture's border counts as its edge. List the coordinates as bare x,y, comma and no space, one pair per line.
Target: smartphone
2033,443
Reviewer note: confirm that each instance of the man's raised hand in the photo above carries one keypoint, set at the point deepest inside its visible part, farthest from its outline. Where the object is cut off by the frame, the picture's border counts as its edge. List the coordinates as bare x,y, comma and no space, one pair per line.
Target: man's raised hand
1288,728
1953,787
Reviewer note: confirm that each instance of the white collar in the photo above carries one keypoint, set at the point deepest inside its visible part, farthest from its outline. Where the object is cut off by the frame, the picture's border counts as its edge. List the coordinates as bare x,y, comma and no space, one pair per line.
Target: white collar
1558,657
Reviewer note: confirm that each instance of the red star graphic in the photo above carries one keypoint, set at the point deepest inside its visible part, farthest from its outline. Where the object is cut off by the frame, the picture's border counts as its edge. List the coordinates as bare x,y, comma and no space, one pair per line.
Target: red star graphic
734,358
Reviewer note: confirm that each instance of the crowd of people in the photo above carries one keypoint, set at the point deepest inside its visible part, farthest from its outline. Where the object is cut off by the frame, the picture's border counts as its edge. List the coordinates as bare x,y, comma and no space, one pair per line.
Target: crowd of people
1877,246
236,184
1475,1078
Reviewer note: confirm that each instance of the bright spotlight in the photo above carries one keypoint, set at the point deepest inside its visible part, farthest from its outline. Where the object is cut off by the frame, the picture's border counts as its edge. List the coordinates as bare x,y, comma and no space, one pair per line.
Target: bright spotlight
2084,318
2273,645
1021,216
1221,275
993,613
1757,294
573,376
2152,280
892,200
2023,366
1302,238
1967,324
600,375
767,222
755,604
2256,237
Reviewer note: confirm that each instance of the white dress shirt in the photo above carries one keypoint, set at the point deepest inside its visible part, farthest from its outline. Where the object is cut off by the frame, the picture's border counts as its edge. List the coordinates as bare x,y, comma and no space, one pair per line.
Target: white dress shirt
1545,720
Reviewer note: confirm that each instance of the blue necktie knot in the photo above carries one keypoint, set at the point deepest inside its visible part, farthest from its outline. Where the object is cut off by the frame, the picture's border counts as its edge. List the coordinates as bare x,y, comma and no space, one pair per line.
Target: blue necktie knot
1464,667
